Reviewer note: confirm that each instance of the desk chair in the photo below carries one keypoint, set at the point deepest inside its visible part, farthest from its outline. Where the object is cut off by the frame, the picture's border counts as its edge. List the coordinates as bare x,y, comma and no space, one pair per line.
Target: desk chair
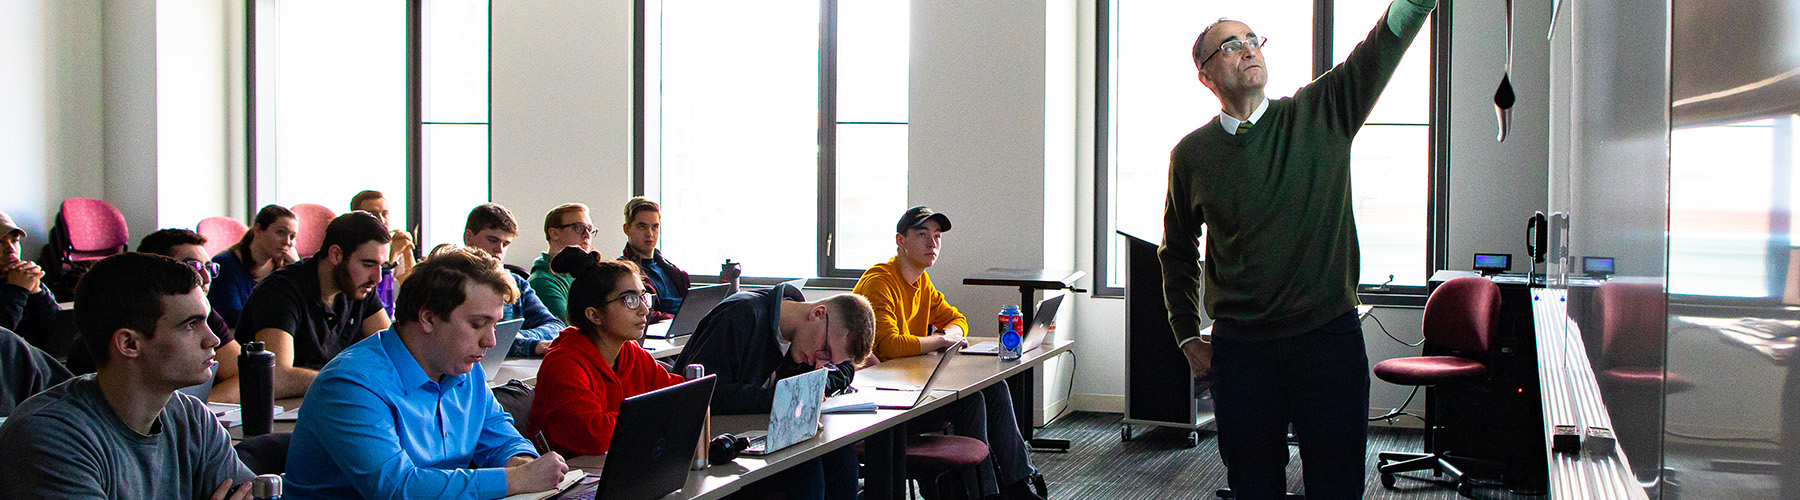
86,231
312,219
1630,371
1459,320
265,454
220,233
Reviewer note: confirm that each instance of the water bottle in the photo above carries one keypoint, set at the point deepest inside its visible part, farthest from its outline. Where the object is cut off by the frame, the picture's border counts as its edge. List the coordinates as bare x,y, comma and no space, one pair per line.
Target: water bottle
266,487
256,386
701,460
729,273
1012,341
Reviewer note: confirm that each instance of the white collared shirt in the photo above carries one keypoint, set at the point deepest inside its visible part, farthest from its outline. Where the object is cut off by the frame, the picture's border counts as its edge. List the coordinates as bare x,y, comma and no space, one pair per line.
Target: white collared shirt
1231,124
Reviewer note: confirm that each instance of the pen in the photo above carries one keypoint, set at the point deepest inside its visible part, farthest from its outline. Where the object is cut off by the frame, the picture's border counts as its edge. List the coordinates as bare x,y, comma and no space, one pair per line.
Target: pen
543,445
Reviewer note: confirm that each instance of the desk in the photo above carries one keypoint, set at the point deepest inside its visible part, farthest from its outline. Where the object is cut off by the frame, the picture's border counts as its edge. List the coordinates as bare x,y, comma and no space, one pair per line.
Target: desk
1028,281
524,370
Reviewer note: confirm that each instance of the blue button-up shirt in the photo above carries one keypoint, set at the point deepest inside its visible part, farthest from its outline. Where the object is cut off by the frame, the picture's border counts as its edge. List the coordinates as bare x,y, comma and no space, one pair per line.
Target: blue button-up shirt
373,425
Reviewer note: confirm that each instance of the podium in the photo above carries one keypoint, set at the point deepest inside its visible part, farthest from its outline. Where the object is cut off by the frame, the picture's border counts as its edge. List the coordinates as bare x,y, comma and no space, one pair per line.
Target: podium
1159,388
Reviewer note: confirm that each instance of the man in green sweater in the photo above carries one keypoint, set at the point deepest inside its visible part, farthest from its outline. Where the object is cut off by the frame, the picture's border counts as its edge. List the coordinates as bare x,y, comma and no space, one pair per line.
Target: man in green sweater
1270,181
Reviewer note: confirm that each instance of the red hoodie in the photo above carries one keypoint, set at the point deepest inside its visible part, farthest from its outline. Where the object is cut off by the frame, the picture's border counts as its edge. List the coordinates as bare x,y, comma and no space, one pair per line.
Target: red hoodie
576,402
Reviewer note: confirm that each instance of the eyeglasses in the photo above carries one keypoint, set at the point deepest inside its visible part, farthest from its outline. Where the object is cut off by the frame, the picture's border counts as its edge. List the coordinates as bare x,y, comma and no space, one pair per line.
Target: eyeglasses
581,227
1236,46
825,342
636,300
208,269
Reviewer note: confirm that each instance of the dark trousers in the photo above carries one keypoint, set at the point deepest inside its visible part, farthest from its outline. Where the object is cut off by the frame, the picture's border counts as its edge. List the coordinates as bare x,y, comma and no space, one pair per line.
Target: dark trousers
1319,382
988,416
832,476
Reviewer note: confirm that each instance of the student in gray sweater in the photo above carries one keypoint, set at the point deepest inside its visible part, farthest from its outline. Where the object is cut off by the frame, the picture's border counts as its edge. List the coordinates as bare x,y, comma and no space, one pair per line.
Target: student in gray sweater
124,432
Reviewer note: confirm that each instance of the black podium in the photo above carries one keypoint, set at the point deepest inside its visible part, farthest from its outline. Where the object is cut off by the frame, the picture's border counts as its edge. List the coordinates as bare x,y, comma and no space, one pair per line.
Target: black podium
1159,389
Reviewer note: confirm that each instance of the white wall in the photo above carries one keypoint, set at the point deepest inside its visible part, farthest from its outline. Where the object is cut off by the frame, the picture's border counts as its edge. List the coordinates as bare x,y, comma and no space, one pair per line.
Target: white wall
193,145
50,135
128,73
561,96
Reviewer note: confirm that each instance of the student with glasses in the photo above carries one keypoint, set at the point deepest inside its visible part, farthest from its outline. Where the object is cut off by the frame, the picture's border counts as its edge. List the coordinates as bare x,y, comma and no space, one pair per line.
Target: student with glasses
596,363
26,306
1270,181
565,226
188,248
754,338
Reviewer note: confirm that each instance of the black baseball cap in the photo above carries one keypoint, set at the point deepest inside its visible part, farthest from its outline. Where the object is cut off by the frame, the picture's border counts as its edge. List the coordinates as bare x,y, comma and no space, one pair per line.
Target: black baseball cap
917,216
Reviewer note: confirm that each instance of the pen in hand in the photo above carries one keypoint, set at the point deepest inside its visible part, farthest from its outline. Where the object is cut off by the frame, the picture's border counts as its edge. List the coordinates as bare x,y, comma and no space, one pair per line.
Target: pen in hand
543,445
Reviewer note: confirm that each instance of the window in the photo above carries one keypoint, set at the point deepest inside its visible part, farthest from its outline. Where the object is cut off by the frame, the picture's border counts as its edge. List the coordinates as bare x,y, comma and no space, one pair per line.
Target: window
454,126
1724,240
741,132
1150,98
329,87
334,110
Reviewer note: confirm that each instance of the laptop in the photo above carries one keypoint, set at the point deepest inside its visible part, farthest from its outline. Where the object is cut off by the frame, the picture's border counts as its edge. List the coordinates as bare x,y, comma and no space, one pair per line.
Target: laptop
652,443
895,399
699,301
505,333
795,415
1035,333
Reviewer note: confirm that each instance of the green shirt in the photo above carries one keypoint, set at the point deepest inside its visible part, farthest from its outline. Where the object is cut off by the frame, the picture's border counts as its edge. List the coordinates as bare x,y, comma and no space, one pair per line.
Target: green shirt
1281,247
552,287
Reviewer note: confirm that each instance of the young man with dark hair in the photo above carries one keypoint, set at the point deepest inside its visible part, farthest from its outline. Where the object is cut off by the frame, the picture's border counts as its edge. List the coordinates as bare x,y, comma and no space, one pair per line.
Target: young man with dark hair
1270,182
26,306
643,222
125,432
756,337
565,226
188,248
400,247
912,318
309,311
408,413
491,229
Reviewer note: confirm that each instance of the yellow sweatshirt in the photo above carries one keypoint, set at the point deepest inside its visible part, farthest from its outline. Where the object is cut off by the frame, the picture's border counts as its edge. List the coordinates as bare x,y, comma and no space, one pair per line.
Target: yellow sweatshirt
904,311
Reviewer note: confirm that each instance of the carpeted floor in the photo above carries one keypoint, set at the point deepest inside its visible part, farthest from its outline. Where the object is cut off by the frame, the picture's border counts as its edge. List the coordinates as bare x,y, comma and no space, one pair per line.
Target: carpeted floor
1158,464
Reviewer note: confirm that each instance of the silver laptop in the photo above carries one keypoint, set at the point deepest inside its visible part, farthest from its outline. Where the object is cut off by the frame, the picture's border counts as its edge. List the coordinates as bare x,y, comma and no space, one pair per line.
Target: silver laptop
699,301
1035,333
795,415
891,399
505,333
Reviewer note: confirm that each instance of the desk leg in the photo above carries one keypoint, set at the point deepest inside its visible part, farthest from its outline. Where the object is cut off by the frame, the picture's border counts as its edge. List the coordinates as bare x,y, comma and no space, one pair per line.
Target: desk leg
1022,387
886,453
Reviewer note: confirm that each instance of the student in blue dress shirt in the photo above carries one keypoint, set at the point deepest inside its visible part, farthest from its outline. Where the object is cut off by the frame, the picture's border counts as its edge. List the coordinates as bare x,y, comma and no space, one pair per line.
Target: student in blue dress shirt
408,413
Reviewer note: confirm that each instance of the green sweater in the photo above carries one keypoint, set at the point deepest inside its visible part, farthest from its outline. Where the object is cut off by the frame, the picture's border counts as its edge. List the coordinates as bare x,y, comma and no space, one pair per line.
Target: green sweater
552,287
1281,249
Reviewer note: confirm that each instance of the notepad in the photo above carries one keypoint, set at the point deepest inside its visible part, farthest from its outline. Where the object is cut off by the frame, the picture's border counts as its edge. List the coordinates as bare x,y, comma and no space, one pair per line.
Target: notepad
848,407
568,480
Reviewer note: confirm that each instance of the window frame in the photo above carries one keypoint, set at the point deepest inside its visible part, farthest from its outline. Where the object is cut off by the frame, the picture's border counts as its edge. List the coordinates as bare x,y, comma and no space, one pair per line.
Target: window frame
415,131
827,270
1437,145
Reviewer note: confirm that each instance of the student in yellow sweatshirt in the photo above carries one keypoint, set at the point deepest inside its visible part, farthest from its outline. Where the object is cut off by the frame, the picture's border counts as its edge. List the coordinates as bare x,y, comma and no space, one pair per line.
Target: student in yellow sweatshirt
912,318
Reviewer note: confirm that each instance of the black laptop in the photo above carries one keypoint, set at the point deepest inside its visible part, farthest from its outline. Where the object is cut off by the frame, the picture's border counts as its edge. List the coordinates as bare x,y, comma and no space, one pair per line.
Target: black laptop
652,443
699,301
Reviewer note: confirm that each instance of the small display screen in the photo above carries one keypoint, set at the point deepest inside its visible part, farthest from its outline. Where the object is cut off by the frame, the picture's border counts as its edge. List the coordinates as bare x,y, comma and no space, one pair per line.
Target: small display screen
1493,261
1597,265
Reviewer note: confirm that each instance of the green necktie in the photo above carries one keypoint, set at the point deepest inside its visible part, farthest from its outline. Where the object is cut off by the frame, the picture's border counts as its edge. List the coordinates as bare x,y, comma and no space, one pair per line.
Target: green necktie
1243,127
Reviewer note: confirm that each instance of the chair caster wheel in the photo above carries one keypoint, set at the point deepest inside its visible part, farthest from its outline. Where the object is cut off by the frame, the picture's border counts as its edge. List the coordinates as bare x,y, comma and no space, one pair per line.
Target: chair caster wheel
1124,432
1193,439
1387,481
1466,489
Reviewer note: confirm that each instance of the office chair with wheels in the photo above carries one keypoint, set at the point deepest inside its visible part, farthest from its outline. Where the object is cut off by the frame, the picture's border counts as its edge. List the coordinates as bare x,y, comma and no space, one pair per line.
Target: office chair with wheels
312,219
1460,317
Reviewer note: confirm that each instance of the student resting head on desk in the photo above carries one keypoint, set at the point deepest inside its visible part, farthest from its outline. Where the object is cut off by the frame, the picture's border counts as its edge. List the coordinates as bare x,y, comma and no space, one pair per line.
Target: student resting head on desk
907,311
753,338
124,432
595,364
407,412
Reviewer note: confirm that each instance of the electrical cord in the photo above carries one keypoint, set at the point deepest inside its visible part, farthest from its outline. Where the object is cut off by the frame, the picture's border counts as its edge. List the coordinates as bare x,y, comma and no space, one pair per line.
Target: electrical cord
1399,411
1074,362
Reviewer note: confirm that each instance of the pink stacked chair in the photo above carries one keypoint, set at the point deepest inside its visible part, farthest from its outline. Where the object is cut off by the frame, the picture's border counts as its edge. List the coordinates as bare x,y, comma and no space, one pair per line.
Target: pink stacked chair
312,219
96,230
220,233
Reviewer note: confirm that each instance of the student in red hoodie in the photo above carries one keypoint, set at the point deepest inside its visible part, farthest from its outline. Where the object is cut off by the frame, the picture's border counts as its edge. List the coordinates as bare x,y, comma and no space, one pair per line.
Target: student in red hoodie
596,363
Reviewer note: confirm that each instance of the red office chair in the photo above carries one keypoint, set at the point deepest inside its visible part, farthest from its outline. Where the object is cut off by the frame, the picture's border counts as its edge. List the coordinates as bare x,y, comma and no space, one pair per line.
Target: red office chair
312,220
86,230
220,233
1630,371
1459,320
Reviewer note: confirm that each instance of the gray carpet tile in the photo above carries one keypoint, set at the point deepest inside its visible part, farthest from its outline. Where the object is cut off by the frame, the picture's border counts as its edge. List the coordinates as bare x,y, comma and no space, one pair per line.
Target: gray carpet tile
1158,464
